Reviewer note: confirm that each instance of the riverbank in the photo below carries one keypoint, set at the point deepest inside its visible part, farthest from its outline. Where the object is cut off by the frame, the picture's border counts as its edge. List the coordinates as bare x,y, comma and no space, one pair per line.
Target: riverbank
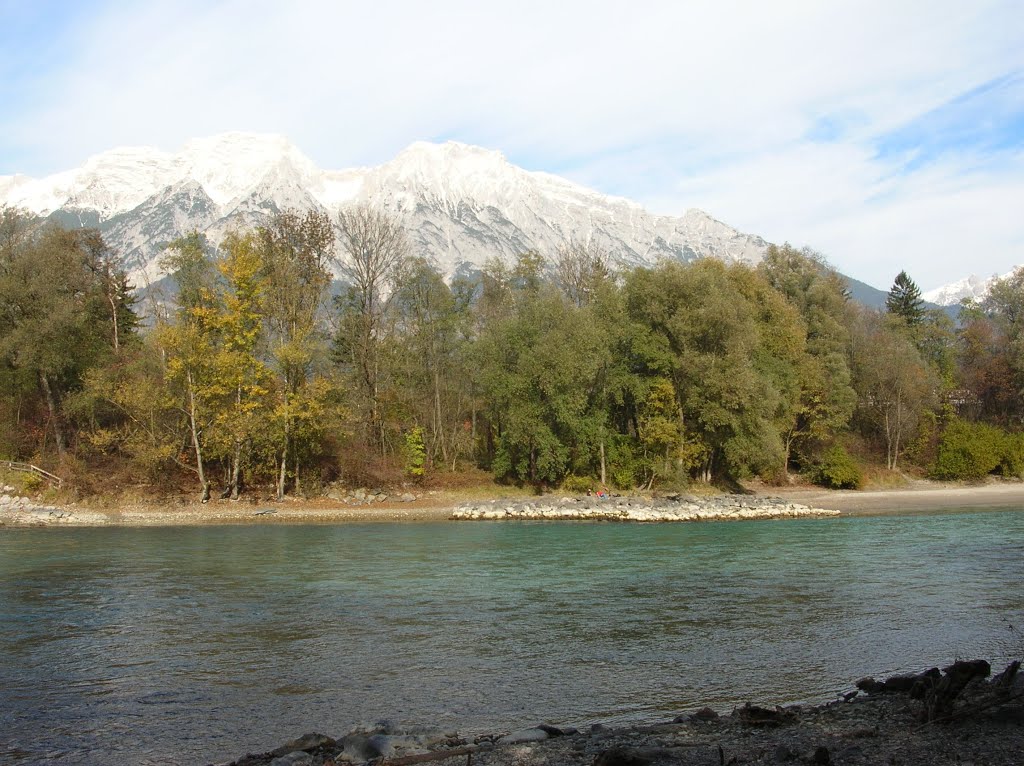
437,506
954,716
917,497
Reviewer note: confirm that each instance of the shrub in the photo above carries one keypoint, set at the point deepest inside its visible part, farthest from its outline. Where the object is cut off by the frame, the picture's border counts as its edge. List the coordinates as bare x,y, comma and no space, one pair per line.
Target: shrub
1011,465
577,485
837,470
968,451
415,453
625,467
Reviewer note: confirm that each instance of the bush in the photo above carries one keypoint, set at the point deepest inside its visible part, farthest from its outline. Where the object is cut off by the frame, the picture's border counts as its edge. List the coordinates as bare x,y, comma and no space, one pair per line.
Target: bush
837,470
1011,465
415,453
969,451
577,485
625,467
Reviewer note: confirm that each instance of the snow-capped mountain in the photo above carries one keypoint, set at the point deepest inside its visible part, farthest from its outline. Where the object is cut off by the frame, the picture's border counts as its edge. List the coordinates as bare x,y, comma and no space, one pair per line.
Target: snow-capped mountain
460,205
970,287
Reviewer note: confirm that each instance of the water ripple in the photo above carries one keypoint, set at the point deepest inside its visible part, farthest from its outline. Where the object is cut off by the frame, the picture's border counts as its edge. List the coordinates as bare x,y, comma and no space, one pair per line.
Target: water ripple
182,646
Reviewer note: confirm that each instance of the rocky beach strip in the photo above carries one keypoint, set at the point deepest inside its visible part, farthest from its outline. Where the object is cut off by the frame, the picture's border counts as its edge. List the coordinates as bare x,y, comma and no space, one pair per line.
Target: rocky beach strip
957,715
658,509
19,510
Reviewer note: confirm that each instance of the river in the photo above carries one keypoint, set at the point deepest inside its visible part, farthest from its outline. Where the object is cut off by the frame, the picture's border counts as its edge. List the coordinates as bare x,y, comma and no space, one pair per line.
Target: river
194,645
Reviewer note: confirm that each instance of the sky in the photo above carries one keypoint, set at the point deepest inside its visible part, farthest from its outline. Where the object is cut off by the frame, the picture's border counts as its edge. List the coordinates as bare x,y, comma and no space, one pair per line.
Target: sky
885,135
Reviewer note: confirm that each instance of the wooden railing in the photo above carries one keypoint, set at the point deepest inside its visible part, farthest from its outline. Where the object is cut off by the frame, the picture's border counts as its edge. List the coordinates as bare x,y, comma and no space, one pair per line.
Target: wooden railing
29,468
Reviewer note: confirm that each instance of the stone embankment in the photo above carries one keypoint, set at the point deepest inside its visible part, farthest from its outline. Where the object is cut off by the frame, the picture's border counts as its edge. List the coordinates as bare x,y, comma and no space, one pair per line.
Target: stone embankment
670,508
955,716
18,510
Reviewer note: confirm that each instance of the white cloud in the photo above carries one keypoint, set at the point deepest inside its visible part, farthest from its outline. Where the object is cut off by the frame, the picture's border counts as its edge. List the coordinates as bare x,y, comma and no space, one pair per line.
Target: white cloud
703,104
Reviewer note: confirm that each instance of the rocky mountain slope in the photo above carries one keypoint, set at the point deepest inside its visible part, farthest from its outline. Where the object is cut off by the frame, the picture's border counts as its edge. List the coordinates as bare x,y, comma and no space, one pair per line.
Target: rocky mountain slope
460,205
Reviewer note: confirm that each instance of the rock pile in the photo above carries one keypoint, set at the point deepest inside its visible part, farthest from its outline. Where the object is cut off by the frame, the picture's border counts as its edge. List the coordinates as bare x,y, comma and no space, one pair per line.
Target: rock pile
670,508
362,496
18,510
14,505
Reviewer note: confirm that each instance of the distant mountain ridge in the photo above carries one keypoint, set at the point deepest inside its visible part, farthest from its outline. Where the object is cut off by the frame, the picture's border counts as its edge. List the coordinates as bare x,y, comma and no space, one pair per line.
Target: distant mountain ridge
974,287
460,205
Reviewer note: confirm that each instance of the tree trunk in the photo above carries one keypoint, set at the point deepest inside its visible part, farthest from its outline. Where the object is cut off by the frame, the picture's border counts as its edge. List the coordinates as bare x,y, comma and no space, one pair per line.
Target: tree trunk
51,406
604,478
284,449
193,423
438,426
113,316
236,472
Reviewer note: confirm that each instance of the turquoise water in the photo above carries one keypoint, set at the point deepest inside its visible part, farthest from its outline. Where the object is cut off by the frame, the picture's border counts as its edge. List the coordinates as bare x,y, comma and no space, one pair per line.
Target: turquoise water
196,645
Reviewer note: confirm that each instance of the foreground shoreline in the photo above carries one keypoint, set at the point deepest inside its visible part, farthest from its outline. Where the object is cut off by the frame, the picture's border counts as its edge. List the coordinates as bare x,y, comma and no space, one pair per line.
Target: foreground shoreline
959,715
922,497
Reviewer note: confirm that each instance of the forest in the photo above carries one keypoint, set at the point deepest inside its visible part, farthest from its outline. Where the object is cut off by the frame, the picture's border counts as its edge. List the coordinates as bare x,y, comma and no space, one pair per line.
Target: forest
255,368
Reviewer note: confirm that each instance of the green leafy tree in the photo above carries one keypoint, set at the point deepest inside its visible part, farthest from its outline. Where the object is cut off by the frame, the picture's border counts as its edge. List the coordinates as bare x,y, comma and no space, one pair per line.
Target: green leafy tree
430,374
733,346
539,371
240,378
294,251
53,311
826,398
190,344
895,386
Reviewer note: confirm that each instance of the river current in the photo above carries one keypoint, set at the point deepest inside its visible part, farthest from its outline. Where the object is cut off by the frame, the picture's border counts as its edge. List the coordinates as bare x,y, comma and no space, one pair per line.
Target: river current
196,645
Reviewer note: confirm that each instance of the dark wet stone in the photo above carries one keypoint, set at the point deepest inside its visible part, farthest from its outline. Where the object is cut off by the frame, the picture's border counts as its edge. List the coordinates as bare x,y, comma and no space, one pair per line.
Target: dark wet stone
359,747
297,758
622,756
704,714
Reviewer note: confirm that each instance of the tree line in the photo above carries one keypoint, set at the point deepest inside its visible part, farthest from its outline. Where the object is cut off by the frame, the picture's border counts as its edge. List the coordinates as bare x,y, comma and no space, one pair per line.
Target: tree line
259,370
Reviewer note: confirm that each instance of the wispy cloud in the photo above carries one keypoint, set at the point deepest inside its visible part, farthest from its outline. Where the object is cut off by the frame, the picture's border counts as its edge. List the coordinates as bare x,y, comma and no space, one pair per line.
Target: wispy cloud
887,135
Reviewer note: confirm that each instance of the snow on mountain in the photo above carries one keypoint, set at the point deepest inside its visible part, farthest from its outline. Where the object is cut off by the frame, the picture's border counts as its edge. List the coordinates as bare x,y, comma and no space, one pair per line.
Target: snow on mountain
970,287
231,165
459,204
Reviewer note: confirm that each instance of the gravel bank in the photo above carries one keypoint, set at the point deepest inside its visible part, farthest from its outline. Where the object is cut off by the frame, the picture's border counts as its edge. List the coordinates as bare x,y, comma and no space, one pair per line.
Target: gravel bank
956,716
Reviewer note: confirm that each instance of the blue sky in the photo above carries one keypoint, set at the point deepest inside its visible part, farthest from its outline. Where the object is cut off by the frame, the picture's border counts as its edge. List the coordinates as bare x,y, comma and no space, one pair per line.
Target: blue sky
887,135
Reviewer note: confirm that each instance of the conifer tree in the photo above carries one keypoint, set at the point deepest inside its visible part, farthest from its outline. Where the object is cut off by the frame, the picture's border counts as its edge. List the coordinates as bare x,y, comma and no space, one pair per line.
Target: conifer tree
904,300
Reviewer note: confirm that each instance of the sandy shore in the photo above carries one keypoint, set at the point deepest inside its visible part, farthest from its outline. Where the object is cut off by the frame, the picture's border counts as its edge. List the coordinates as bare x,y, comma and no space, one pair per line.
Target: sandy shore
920,497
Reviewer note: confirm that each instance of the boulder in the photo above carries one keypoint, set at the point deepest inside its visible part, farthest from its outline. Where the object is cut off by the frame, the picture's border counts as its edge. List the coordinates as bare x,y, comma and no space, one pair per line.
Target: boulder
359,747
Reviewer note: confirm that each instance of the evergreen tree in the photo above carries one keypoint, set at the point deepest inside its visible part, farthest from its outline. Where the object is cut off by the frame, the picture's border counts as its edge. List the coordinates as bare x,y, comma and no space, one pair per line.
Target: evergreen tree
904,300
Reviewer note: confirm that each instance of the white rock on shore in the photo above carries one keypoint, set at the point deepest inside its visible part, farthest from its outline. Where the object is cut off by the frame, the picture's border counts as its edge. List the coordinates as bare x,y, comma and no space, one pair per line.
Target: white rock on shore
670,509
